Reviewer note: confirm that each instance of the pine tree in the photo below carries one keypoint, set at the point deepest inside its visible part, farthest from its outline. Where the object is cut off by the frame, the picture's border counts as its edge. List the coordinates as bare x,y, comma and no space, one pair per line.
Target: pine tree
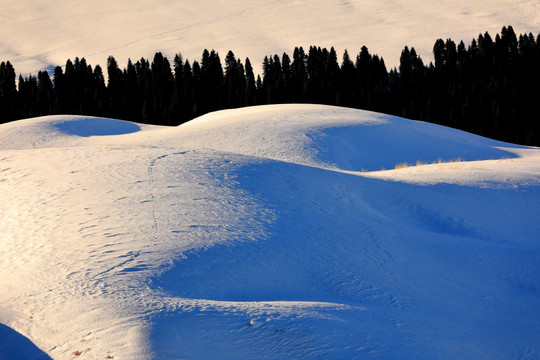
211,81
159,91
45,97
299,78
347,82
98,92
115,87
27,97
8,92
332,77
286,78
251,89
234,87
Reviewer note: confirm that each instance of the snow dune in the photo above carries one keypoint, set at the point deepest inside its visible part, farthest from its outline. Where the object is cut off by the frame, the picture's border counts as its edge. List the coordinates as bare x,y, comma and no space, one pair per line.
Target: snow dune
267,232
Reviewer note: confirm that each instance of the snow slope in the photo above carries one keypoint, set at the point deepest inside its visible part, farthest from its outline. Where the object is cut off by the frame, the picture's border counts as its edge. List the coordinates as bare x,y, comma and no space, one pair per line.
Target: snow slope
263,233
43,33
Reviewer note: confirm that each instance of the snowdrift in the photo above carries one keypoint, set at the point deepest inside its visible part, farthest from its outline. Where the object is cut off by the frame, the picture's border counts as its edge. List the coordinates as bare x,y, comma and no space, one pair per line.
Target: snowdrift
267,232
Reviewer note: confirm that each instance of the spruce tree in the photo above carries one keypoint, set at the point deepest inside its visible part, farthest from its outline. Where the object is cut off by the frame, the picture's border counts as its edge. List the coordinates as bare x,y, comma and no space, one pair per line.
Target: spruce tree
115,87
299,78
45,98
8,92
251,95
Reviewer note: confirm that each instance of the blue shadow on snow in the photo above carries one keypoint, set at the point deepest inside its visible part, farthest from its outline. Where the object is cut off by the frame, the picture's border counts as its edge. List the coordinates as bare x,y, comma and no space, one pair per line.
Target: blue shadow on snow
86,127
16,346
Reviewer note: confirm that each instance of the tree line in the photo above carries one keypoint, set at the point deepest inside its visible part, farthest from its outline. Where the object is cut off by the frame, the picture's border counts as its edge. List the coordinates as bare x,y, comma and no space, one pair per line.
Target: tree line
490,87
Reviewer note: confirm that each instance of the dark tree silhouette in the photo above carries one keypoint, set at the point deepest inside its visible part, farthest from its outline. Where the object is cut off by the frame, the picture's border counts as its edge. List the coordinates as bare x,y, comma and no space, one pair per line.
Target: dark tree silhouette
490,87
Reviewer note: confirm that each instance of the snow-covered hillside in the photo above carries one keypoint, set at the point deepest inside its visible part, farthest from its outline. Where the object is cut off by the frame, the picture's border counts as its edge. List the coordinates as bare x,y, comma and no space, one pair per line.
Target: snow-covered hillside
264,233
41,33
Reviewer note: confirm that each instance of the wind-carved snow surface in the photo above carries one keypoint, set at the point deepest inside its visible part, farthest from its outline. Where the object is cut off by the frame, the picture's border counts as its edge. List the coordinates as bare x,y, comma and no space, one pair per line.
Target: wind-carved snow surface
41,34
263,233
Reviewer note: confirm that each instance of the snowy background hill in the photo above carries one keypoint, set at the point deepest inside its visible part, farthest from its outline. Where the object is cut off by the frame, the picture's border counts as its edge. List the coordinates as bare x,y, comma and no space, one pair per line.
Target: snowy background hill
44,33
266,232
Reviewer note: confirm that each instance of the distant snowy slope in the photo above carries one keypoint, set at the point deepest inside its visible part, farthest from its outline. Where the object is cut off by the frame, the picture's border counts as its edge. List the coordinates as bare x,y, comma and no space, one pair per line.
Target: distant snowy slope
38,34
264,233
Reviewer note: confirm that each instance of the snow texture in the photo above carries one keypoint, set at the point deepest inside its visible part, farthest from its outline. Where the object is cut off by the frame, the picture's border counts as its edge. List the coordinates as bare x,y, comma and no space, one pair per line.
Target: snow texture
269,232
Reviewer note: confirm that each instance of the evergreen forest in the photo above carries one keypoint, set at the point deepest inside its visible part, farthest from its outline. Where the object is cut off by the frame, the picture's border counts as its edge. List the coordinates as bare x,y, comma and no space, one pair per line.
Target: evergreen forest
490,87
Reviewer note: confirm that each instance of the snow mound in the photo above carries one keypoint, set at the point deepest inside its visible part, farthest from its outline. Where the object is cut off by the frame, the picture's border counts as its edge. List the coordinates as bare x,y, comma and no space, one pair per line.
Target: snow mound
254,234
59,130
342,138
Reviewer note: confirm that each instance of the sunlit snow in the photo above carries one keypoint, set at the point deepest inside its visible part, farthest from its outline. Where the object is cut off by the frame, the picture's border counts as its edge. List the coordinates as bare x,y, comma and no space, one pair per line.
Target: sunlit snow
264,233
40,34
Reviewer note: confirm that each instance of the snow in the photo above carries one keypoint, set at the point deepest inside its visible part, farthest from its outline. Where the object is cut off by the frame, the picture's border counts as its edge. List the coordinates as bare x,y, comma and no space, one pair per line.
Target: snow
16,346
266,232
60,130
40,34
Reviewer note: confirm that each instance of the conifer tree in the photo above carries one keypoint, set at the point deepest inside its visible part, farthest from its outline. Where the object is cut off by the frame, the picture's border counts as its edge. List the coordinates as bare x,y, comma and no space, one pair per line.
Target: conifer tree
211,81
332,77
98,92
45,97
347,82
286,78
251,95
299,80
27,97
234,87
8,92
60,87
115,86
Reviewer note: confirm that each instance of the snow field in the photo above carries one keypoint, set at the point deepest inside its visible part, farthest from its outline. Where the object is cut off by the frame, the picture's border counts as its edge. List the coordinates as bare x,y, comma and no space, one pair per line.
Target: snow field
254,233
41,34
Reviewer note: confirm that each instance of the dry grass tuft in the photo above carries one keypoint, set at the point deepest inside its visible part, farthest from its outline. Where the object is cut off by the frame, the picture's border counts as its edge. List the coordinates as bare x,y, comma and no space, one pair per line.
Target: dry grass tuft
404,165
401,166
